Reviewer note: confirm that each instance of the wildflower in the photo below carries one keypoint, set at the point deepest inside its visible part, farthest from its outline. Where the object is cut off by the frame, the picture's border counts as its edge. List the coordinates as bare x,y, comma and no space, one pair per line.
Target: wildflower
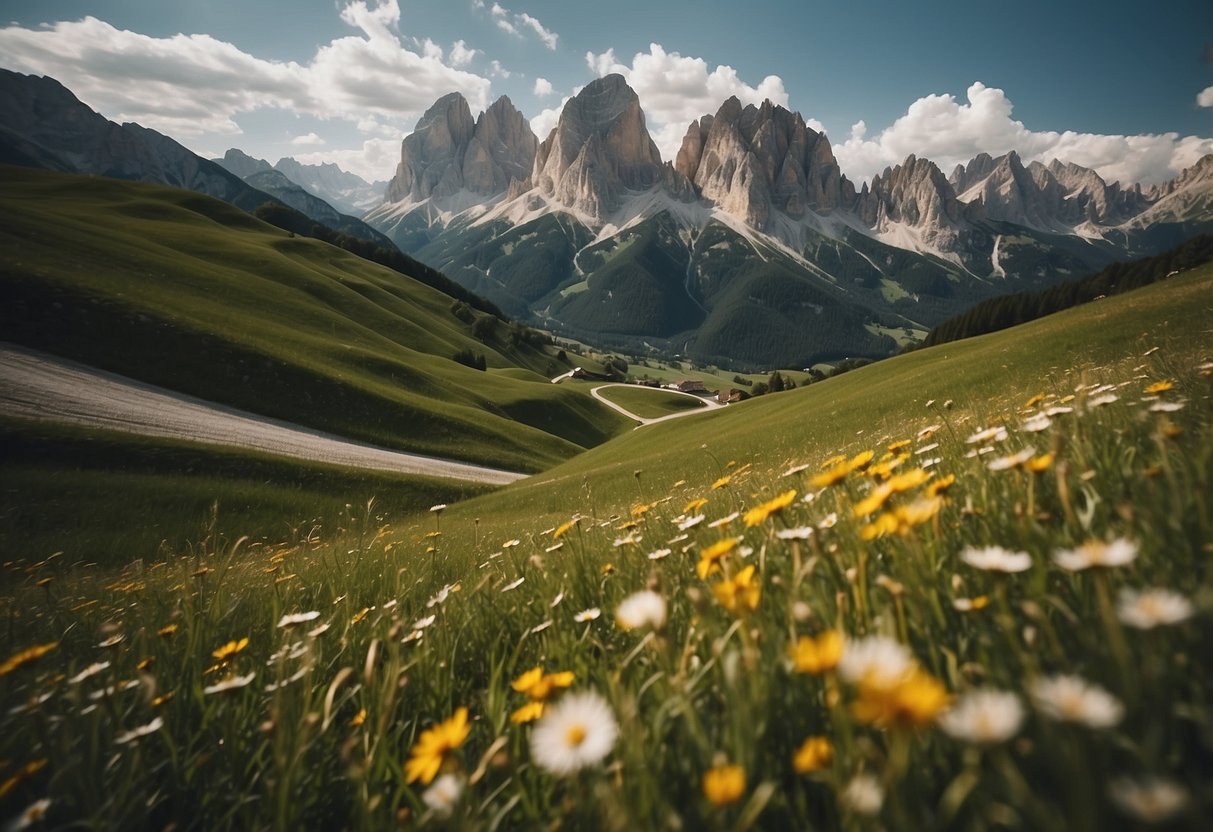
1166,407
1153,800
539,685
578,731
694,505
760,513
875,661
361,614
722,482
565,528
899,445
1093,553
996,559
1036,424
1035,400
817,655
442,796
724,784
1073,699
587,615
833,476
529,712
1105,399
230,649
863,794
1039,464
141,731
970,604
828,521
1015,460
26,656
1159,387
641,609
298,618
814,754
88,672
230,683
513,584
358,718
798,533
709,558
441,595
434,745
317,631
723,521
913,700
167,630
740,594
984,717
860,461
994,434
691,522
941,485
34,813
658,554
1150,608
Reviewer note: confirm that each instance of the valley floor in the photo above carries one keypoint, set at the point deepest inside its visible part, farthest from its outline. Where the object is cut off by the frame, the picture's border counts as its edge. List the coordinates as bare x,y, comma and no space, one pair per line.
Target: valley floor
35,385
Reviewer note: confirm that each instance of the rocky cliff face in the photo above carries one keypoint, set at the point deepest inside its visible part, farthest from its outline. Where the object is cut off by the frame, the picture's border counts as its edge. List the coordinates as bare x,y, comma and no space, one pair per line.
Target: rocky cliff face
916,194
241,164
448,152
754,160
599,150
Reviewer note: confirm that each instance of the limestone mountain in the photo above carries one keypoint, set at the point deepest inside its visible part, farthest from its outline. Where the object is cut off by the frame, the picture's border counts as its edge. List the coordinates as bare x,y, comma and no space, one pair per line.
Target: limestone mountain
345,191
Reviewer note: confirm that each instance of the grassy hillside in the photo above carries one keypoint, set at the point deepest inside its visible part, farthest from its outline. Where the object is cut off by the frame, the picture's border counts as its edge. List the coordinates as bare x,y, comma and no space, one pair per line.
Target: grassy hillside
925,635
187,292
649,403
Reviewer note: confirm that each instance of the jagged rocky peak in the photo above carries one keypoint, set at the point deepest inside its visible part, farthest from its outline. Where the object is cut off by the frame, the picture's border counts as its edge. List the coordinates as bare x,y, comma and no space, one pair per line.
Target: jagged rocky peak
599,150
914,193
752,160
502,149
241,164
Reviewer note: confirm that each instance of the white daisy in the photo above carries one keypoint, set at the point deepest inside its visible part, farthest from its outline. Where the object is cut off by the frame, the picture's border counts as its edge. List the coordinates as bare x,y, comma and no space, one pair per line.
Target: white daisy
691,522
443,794
863,794
232,683
641,609
513,585
33,813
1074,699
828,521
298,618
798,533
1105,399
984,717
1153,800
1058,410
1149,608
438,507
1005,463
1166,407
877,661
996,559
1118,552
578,731
658,554
422,623
141,731
994,434
1036,424
587,615
88,672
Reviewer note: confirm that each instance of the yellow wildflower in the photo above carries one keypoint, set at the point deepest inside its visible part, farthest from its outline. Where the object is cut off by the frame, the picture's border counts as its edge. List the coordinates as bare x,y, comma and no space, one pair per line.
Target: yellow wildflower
434,745
361,614
1159,387
760,513
230,649
740,594
1039,464
529,712
817,655
814,754
709,558
359,718
565,528
694,505
539,685
833,476
1035,400
860,461
723,785
941,485
26,656
912,701
721,483
833,462
897,446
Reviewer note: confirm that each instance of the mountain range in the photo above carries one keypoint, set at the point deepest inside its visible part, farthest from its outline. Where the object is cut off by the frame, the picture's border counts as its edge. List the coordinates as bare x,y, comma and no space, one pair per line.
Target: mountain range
751,247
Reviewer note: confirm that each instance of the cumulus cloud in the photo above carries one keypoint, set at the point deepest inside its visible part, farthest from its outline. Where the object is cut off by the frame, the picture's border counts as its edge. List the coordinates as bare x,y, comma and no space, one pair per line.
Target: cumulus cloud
675,90
498,71
191,85
951,132
1205,97
518,24
545,122
462,54
309,140
543,87
375,161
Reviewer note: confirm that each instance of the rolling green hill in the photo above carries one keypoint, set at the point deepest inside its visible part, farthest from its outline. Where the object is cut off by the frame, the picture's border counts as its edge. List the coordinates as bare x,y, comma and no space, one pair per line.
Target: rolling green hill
187,292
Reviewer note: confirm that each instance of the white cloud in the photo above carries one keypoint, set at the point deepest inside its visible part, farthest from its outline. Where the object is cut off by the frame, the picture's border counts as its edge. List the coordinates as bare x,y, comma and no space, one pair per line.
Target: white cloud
431,49
949,132
309,140
675,90
462,54
543,88
548,37
517,24
1205,97
191,85
374,127
498,71
374,161
545,122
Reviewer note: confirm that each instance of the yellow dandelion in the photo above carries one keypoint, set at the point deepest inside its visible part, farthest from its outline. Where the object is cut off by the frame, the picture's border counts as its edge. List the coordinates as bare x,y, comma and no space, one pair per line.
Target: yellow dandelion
914,700
163,698
722,482
359,718
529,712
817,655
758,514
833,476
833,462
432,748
26,656
814,754
361,614
565,528
539,685
740,594
1159,387
897,446
22,774
230,649
1035,400
860,461
723,785
694,505
941,485
709,558
883,525
1039,464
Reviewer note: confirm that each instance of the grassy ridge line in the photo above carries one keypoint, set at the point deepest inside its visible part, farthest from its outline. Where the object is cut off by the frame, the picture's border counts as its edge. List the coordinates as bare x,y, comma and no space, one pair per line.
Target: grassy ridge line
189,293
110,497
888,398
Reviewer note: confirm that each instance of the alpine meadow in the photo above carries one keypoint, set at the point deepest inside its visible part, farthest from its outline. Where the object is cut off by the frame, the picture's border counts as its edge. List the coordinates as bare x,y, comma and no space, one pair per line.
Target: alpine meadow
553,439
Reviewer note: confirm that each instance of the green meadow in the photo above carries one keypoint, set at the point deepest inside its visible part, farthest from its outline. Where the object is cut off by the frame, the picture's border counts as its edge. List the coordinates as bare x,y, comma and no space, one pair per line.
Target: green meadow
965,588
649,403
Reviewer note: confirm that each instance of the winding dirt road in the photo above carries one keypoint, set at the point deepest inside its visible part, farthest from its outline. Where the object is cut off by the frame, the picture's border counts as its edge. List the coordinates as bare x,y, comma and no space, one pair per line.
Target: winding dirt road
35,385
709,404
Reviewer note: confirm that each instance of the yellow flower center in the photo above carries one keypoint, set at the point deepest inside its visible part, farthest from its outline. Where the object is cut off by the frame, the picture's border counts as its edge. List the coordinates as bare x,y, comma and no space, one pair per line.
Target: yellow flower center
575,735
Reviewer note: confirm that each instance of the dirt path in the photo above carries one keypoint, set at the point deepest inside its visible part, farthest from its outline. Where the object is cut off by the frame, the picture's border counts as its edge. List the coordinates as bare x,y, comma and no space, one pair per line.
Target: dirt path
35,385
709,404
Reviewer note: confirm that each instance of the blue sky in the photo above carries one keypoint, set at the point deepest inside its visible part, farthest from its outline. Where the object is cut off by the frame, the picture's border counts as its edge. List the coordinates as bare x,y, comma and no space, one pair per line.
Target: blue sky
1121,91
